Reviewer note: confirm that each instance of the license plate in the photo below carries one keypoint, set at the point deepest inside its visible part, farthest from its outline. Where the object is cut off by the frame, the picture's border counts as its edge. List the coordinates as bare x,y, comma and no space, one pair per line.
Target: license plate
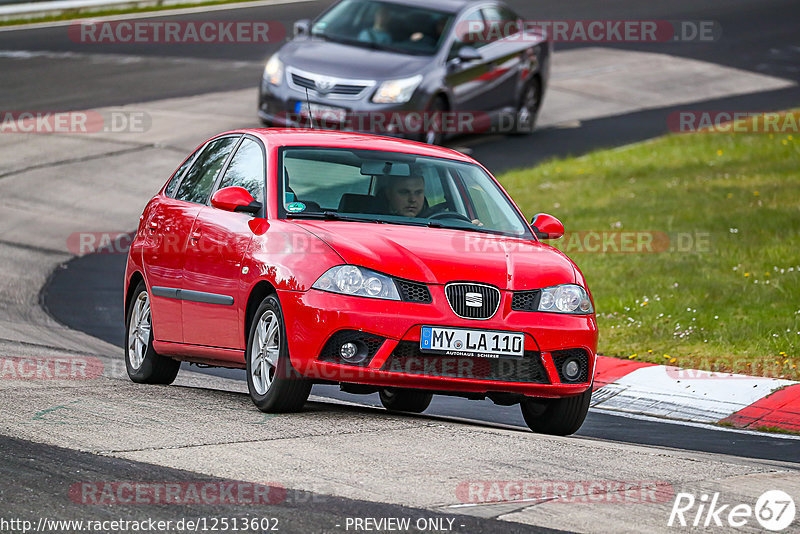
464,342
321,112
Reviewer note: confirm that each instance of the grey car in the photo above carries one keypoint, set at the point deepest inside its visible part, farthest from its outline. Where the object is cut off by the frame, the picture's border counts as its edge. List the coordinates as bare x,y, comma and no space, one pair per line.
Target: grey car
409,68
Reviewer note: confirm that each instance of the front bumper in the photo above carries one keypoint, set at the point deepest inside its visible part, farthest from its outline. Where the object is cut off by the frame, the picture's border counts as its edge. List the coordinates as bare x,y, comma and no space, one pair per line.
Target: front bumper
315,317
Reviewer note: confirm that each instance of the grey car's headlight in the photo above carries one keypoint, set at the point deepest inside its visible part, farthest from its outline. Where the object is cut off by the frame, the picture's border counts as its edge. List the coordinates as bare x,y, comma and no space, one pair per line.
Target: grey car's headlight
273,71
567,298
358,281
397,91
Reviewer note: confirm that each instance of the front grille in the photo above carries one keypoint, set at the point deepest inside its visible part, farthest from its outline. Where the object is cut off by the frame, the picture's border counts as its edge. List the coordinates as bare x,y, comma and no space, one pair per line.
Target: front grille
580,355
525,300
343,89
407,358
459,295
414,292
368,343
304,82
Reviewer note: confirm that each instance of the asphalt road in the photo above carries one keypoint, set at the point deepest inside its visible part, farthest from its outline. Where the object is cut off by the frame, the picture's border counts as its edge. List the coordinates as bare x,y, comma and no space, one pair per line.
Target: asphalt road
30,470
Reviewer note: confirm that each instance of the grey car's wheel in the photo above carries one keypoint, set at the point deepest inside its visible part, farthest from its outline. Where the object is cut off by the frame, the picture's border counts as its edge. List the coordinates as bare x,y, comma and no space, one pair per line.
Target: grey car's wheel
405,400
143,363
559,417
274,385
528,109
434,132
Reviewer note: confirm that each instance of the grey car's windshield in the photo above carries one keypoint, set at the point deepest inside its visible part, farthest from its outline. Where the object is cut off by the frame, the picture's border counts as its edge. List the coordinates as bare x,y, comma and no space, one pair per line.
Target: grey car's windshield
384,25
397,188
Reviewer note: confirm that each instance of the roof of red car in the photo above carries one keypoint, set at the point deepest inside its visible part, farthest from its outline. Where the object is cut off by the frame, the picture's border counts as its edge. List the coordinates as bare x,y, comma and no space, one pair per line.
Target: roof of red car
339,139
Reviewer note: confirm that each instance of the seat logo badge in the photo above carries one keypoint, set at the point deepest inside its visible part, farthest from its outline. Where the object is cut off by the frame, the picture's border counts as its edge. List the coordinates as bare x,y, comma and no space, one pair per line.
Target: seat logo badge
474,300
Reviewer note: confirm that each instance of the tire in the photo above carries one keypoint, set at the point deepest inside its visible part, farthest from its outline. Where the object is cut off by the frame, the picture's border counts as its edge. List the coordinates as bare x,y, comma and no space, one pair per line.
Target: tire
274,385
433,137
405,400
528,109
559,417
144,364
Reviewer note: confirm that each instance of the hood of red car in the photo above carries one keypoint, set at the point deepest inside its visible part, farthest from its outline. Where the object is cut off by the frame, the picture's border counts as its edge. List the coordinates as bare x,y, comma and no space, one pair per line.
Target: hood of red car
439,256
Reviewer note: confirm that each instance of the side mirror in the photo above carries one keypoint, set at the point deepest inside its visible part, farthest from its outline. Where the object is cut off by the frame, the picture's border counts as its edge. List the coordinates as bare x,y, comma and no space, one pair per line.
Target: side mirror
235,199
468,53
302,27
547,227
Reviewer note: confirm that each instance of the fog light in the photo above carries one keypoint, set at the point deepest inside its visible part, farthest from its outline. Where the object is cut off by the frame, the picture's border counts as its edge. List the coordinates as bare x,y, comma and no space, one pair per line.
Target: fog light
348,351
571,369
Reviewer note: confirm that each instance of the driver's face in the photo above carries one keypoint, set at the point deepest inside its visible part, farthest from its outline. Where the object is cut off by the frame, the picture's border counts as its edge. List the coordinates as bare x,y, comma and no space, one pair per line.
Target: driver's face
406,197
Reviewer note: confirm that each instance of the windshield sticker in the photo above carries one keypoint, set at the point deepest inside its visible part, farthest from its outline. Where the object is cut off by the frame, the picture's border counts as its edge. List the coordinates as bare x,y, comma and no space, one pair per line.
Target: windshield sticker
295,207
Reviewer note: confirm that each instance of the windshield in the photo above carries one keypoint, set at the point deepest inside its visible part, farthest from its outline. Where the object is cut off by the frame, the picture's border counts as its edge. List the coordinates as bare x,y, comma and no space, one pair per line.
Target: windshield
397,188
383,25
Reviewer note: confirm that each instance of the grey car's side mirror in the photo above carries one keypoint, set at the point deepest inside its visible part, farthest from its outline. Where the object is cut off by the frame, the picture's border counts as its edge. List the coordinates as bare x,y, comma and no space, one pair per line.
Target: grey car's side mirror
302,27
468,53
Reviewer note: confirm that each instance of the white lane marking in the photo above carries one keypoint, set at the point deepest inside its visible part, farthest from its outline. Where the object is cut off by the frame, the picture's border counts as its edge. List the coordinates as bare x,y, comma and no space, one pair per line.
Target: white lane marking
154,14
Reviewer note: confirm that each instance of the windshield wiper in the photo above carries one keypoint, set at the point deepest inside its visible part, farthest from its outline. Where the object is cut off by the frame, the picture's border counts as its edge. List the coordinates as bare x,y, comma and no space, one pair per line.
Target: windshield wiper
330,216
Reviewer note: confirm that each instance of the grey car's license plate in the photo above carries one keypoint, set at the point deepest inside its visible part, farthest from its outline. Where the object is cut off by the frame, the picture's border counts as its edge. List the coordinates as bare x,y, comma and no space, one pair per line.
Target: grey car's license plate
472,342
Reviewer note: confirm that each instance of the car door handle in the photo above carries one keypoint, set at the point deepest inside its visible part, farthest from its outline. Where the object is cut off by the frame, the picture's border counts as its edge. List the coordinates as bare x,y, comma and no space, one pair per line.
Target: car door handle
196,235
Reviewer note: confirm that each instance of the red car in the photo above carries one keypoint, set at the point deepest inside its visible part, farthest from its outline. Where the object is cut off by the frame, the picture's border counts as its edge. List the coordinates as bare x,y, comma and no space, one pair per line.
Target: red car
383,265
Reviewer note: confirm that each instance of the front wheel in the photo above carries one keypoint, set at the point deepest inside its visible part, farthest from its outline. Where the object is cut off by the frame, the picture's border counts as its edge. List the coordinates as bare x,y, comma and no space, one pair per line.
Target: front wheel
274,385
405,400
143,363
559,417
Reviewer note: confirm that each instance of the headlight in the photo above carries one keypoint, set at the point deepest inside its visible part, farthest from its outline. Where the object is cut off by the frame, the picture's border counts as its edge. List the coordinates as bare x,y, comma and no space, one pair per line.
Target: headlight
397,91
567,298
273,71
358,281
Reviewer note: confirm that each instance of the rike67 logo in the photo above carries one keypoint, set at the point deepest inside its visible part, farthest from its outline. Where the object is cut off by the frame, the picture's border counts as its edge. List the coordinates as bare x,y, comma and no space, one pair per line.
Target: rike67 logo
774,511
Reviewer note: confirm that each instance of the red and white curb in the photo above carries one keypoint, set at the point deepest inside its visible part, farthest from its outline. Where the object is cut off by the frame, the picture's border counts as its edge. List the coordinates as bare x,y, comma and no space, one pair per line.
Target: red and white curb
698,396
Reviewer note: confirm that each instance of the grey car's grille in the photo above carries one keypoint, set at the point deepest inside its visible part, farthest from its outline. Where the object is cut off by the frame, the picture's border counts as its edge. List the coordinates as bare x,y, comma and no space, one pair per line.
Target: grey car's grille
471,300
328,85
304,82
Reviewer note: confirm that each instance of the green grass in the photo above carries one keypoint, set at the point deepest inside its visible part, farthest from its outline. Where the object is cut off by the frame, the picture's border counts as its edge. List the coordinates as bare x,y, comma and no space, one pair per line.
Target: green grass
731,303
83,13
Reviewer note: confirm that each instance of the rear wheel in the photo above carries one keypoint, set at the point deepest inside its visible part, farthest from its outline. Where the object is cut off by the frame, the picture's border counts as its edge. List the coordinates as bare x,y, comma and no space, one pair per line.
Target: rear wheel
559,417
405,400
143,363
528,109
274,385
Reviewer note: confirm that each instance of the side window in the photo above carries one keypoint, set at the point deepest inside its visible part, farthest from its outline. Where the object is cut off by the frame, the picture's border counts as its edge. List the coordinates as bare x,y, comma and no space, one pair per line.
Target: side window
176,177
196,185
247,169
500,23
469,31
